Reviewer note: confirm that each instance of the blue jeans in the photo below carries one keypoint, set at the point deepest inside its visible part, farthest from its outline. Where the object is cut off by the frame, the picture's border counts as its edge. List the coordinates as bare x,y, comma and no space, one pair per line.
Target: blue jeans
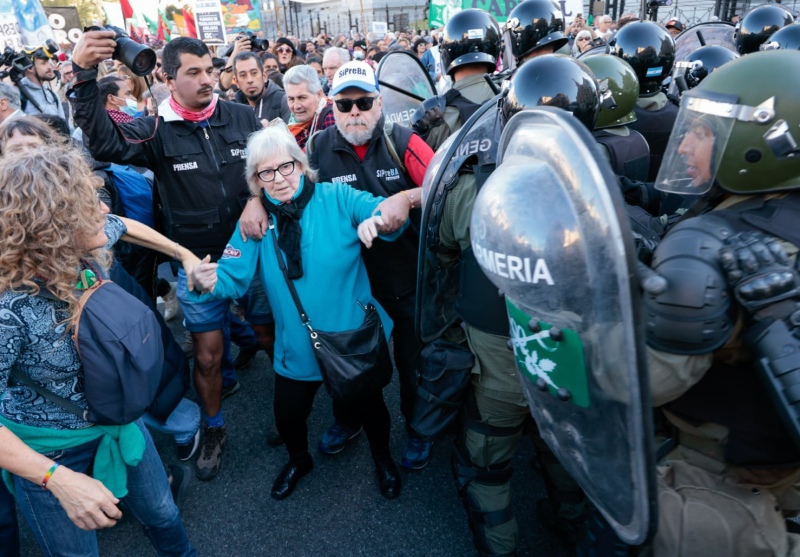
149,499
182,423
9,530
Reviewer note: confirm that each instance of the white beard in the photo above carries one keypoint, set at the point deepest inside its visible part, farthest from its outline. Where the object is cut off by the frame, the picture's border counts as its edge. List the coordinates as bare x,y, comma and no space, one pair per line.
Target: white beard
357,137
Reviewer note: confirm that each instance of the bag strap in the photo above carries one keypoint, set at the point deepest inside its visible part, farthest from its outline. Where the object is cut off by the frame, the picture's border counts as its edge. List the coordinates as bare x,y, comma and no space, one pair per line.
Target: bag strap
64,403
390,145
282,264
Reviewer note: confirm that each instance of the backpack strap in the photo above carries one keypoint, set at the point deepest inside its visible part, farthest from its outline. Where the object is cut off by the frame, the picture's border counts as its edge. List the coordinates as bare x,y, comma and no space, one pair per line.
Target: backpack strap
82,301
50,396
390,145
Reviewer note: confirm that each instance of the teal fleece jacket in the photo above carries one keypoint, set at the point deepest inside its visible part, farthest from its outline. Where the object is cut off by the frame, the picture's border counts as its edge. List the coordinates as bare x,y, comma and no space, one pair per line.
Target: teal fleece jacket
334,279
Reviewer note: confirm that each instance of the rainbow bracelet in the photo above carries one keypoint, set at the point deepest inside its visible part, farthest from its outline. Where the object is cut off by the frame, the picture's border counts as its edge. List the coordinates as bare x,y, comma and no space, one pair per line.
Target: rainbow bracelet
49,474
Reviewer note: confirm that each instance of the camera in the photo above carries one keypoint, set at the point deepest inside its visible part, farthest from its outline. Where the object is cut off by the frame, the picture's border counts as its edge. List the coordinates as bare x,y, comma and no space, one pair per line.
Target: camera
140,59
16,63
256,44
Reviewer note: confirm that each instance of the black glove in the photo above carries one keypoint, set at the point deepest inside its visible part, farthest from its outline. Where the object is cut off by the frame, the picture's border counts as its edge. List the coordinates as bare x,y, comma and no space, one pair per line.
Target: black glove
428,116
761,276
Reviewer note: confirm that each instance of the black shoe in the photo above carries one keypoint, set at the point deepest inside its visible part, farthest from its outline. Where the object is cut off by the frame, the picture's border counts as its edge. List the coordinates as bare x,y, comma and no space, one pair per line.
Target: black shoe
245,357
289,477
567,530
388,477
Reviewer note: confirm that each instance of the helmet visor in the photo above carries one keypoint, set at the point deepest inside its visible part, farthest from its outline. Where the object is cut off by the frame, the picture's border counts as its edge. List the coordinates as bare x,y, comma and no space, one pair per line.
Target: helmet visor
694,151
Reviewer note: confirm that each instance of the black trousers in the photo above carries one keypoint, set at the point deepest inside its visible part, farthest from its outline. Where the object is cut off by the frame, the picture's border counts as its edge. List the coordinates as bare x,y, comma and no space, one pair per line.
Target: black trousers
293,402
406,354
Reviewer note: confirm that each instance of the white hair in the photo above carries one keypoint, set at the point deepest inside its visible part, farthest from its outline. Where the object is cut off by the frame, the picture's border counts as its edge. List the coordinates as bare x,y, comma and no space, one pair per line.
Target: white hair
274,140
341,53
303,74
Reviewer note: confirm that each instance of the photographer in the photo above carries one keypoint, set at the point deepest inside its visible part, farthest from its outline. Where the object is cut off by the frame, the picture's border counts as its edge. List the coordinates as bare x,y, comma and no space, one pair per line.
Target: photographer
196,148
40,99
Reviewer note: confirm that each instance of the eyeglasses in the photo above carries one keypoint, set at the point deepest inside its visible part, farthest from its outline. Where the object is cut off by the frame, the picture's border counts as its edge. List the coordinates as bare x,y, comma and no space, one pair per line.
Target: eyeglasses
362,103
284,50
268,175
583,39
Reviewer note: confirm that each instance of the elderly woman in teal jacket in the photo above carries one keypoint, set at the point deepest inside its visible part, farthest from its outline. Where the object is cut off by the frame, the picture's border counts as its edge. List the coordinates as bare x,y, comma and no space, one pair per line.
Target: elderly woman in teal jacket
319,228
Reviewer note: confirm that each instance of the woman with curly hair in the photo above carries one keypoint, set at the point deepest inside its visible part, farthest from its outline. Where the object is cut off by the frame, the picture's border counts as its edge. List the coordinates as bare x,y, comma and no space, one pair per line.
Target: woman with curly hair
56,230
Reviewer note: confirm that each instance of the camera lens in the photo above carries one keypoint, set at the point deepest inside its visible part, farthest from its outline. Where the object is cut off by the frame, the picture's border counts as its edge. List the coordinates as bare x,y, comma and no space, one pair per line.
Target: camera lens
139,58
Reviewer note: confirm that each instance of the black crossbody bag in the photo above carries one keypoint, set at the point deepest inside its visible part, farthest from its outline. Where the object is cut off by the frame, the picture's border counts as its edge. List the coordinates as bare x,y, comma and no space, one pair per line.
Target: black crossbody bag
354,363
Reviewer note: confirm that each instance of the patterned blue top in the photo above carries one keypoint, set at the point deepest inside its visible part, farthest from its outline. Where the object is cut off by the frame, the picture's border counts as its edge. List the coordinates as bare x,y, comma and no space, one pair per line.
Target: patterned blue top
34,340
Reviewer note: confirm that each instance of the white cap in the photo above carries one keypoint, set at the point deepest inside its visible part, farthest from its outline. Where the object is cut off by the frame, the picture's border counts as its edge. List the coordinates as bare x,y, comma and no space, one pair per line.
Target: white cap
354,74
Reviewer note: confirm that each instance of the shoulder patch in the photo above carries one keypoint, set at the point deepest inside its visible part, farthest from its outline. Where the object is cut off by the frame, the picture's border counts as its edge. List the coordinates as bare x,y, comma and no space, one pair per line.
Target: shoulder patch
231,253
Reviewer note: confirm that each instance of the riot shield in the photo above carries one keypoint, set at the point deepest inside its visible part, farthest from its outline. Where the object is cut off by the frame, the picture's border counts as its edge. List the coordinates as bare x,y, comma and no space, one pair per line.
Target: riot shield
404,83
549,230
718,33
437,280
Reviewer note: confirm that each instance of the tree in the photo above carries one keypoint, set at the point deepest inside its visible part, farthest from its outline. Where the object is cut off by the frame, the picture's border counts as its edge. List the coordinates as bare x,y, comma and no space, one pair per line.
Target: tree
90,11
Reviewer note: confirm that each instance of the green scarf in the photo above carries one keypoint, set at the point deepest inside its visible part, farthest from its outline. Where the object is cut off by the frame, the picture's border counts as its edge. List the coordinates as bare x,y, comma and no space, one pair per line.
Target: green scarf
120,446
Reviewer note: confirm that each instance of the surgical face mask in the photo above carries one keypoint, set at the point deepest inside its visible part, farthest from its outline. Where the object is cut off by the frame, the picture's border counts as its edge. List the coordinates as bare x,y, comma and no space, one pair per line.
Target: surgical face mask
323,81
358,55
130,108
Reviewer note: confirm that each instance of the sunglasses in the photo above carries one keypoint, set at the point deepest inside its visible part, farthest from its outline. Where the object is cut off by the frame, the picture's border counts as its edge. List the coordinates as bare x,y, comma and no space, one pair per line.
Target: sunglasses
583,39
284,50
362,103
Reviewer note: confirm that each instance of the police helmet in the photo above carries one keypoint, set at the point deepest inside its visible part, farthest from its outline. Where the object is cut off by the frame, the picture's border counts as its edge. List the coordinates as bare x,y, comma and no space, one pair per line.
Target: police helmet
618,87
751,111
701,62
649,49
534,24
758,25
787,38
471,36
554,80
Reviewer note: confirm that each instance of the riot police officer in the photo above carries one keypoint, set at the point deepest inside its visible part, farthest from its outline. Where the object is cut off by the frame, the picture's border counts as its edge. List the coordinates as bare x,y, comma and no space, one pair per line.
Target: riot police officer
496,407
470,48
626,149
758,25
650,50
533,28
724,384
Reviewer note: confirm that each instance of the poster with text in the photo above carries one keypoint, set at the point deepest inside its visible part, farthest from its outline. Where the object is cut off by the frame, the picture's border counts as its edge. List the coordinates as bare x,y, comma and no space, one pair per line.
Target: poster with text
208,17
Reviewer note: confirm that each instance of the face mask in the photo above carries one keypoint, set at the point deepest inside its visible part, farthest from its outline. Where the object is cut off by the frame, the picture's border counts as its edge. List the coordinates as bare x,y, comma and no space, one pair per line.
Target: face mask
131,108
358,55
323,81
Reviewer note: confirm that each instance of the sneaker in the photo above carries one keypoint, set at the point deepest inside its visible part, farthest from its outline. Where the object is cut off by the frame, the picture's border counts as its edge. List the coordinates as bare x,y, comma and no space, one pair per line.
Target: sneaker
245,357
171,302
187,344
416,454
210,460
178,480
185,452
231,389
334,440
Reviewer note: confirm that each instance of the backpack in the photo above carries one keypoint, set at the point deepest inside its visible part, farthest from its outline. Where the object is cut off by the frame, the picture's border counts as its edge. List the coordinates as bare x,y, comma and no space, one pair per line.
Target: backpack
135,192
118,339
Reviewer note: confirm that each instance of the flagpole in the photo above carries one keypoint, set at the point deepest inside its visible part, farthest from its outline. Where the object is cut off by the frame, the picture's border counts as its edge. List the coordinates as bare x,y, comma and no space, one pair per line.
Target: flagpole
363,22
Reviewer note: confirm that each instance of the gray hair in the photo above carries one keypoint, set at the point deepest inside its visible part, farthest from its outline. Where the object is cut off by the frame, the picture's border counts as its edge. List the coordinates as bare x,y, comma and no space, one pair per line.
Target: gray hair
303,74
606,18
270,142
341,53
11,94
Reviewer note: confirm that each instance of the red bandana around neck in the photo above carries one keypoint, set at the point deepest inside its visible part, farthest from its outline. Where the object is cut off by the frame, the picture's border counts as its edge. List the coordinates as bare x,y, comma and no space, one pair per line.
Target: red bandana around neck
191,115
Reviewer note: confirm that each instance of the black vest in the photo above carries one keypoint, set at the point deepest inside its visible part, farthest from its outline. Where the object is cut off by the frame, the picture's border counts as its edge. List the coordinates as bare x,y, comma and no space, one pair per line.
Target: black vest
656,127
465,107
734,395
391,266
630,155
479,303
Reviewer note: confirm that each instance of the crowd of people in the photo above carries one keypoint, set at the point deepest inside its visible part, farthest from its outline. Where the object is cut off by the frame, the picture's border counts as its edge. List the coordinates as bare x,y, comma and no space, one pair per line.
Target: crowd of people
272,176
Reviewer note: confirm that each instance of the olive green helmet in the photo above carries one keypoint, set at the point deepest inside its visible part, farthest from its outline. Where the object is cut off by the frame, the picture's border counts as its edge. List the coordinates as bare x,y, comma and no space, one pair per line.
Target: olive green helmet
746,117
619,90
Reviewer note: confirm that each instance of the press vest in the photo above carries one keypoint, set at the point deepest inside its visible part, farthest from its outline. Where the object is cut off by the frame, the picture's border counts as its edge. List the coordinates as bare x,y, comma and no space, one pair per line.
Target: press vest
391,266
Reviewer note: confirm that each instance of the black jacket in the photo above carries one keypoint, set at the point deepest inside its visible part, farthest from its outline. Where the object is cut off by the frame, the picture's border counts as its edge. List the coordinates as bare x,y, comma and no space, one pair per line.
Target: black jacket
391,266
273,103
199,170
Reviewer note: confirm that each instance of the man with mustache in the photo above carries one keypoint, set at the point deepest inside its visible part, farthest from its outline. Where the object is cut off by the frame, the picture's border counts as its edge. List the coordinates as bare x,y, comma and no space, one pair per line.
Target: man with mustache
196,146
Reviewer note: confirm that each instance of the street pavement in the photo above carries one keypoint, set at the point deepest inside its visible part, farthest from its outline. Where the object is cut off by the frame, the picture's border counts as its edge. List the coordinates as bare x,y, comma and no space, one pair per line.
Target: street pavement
337,510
